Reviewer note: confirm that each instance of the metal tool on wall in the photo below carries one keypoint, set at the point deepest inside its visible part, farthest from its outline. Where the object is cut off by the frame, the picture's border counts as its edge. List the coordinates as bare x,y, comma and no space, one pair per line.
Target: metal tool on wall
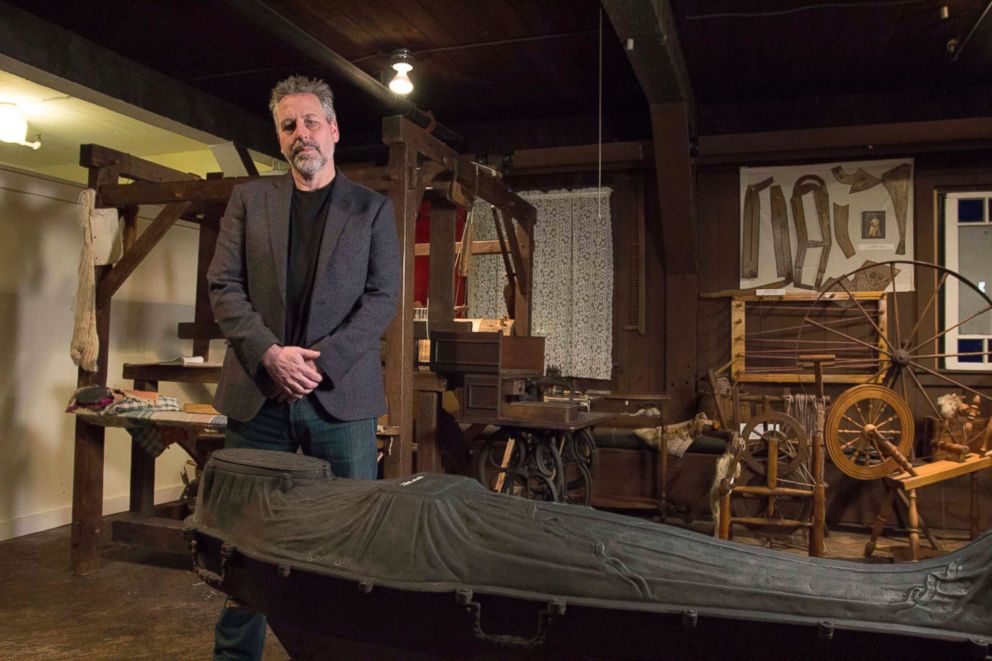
780,233
896,184
841,229
810,183
751,240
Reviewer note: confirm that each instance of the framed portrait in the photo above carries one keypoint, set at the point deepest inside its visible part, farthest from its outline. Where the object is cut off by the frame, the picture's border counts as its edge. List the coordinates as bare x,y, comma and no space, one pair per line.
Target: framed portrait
872,224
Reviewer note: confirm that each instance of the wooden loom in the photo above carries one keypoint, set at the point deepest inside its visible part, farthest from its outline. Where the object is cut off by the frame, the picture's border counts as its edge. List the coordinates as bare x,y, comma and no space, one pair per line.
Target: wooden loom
417,160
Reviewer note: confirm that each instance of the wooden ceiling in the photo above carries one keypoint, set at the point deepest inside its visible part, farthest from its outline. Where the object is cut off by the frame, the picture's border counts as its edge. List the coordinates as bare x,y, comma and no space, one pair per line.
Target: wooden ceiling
782,64
516,73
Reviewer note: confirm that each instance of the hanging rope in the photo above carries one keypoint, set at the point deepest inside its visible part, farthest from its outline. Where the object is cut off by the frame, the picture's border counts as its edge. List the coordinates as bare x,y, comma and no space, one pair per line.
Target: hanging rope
85,345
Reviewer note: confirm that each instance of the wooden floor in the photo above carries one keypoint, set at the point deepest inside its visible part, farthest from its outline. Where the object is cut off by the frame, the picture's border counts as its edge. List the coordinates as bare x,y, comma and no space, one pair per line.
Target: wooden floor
145,605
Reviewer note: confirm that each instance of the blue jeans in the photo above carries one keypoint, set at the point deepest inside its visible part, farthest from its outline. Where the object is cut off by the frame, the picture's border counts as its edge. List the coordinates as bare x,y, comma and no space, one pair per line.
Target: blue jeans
349,446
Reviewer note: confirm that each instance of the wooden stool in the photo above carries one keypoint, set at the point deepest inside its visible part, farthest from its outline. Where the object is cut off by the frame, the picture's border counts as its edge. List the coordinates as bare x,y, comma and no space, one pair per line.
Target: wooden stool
904,486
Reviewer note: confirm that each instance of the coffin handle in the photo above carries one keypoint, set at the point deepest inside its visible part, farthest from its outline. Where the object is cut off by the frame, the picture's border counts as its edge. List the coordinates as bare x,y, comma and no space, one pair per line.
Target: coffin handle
555,607
211,578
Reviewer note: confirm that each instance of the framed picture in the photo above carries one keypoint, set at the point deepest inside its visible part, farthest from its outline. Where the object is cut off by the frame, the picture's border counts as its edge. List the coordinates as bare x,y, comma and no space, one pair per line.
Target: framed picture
872,224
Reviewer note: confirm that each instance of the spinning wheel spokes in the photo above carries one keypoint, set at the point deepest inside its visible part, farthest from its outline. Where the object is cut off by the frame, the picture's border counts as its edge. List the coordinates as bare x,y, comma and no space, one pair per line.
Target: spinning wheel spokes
776,429
860,451
910,353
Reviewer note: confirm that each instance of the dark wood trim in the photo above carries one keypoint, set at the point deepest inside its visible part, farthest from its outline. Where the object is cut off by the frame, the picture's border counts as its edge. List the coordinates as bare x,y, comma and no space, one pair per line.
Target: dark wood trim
651,40
883,139
441,290
676,186
128,166
622,154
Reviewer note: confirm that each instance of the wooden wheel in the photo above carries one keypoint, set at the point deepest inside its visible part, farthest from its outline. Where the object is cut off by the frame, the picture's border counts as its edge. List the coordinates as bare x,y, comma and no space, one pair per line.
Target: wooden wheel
860,424
779,429
907,349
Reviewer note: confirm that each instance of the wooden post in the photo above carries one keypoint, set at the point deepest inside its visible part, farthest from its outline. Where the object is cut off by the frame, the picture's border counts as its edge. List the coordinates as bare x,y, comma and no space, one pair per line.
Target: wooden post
87,480
142,500
441,291
914,526
524,231
880,518
819,525
974,510
725,515
406,193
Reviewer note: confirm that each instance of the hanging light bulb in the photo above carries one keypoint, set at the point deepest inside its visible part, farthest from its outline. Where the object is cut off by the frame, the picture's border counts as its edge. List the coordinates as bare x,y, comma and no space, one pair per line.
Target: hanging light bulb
13,127
401,83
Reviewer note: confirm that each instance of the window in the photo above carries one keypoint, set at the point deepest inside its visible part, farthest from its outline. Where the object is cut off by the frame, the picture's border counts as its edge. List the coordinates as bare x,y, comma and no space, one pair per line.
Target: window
967,244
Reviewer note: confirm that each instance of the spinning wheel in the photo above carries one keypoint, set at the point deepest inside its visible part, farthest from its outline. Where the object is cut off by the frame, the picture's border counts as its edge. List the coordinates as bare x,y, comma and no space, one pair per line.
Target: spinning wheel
906,350
780,431
869,431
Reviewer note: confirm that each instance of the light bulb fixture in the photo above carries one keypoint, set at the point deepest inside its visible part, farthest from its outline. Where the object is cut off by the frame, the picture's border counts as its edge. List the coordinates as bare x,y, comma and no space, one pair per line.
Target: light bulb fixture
13,127
401,83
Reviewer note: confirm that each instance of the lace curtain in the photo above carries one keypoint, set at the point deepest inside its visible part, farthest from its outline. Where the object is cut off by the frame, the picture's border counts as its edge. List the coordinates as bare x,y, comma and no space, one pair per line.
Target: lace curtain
573,279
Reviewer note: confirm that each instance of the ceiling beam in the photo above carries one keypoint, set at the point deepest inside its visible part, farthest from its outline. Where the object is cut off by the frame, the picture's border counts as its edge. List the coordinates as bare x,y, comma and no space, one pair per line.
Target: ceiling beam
646,29
901,137
49,55
278,24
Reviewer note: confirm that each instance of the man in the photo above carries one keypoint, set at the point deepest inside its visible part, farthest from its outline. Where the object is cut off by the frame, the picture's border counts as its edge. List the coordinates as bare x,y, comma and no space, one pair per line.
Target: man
303,283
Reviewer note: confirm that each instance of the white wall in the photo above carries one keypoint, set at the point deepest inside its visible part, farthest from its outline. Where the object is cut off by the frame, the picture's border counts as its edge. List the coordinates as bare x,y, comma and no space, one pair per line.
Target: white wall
39,256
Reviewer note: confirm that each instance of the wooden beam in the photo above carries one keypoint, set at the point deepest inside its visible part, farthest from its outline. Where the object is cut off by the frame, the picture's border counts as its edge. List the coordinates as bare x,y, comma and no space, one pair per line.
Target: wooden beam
483,183
973,133
116,277
128,166
647,30
478,180
580,155
478,248
210,190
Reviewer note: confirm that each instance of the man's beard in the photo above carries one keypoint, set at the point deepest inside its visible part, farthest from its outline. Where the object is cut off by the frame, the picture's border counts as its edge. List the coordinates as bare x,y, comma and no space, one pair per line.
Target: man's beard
307,163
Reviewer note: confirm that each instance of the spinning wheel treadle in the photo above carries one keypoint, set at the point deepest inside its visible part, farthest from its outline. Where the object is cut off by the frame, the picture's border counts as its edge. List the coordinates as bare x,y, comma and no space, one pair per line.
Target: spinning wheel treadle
774,427
861,424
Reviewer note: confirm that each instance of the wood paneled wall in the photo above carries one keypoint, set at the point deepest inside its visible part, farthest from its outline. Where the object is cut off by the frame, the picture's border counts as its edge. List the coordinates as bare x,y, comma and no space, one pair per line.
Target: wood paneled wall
849,500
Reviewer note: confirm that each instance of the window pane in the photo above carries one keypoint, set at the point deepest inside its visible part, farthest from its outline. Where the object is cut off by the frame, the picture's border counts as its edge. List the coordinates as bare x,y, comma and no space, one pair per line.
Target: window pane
975,264
971,346
971,210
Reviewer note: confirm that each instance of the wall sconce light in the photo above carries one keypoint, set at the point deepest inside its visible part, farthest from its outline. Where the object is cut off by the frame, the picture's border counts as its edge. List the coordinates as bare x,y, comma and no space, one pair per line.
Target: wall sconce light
401,83
13,127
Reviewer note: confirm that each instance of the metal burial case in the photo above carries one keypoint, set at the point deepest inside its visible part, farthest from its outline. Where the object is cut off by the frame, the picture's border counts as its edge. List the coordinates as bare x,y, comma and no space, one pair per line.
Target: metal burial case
439,565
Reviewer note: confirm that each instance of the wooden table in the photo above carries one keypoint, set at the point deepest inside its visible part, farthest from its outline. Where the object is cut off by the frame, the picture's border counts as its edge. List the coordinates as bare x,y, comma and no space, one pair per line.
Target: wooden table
904,486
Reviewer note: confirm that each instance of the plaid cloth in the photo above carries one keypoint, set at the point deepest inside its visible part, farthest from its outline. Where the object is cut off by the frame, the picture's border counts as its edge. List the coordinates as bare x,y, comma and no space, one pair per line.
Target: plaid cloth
154,423
130,404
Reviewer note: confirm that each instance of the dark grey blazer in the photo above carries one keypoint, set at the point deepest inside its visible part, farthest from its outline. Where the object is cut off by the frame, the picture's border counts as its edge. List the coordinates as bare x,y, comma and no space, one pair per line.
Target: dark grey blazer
356,288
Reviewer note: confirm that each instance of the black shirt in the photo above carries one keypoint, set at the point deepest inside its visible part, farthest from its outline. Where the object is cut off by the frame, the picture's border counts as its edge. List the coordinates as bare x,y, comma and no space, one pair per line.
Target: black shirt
307,217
